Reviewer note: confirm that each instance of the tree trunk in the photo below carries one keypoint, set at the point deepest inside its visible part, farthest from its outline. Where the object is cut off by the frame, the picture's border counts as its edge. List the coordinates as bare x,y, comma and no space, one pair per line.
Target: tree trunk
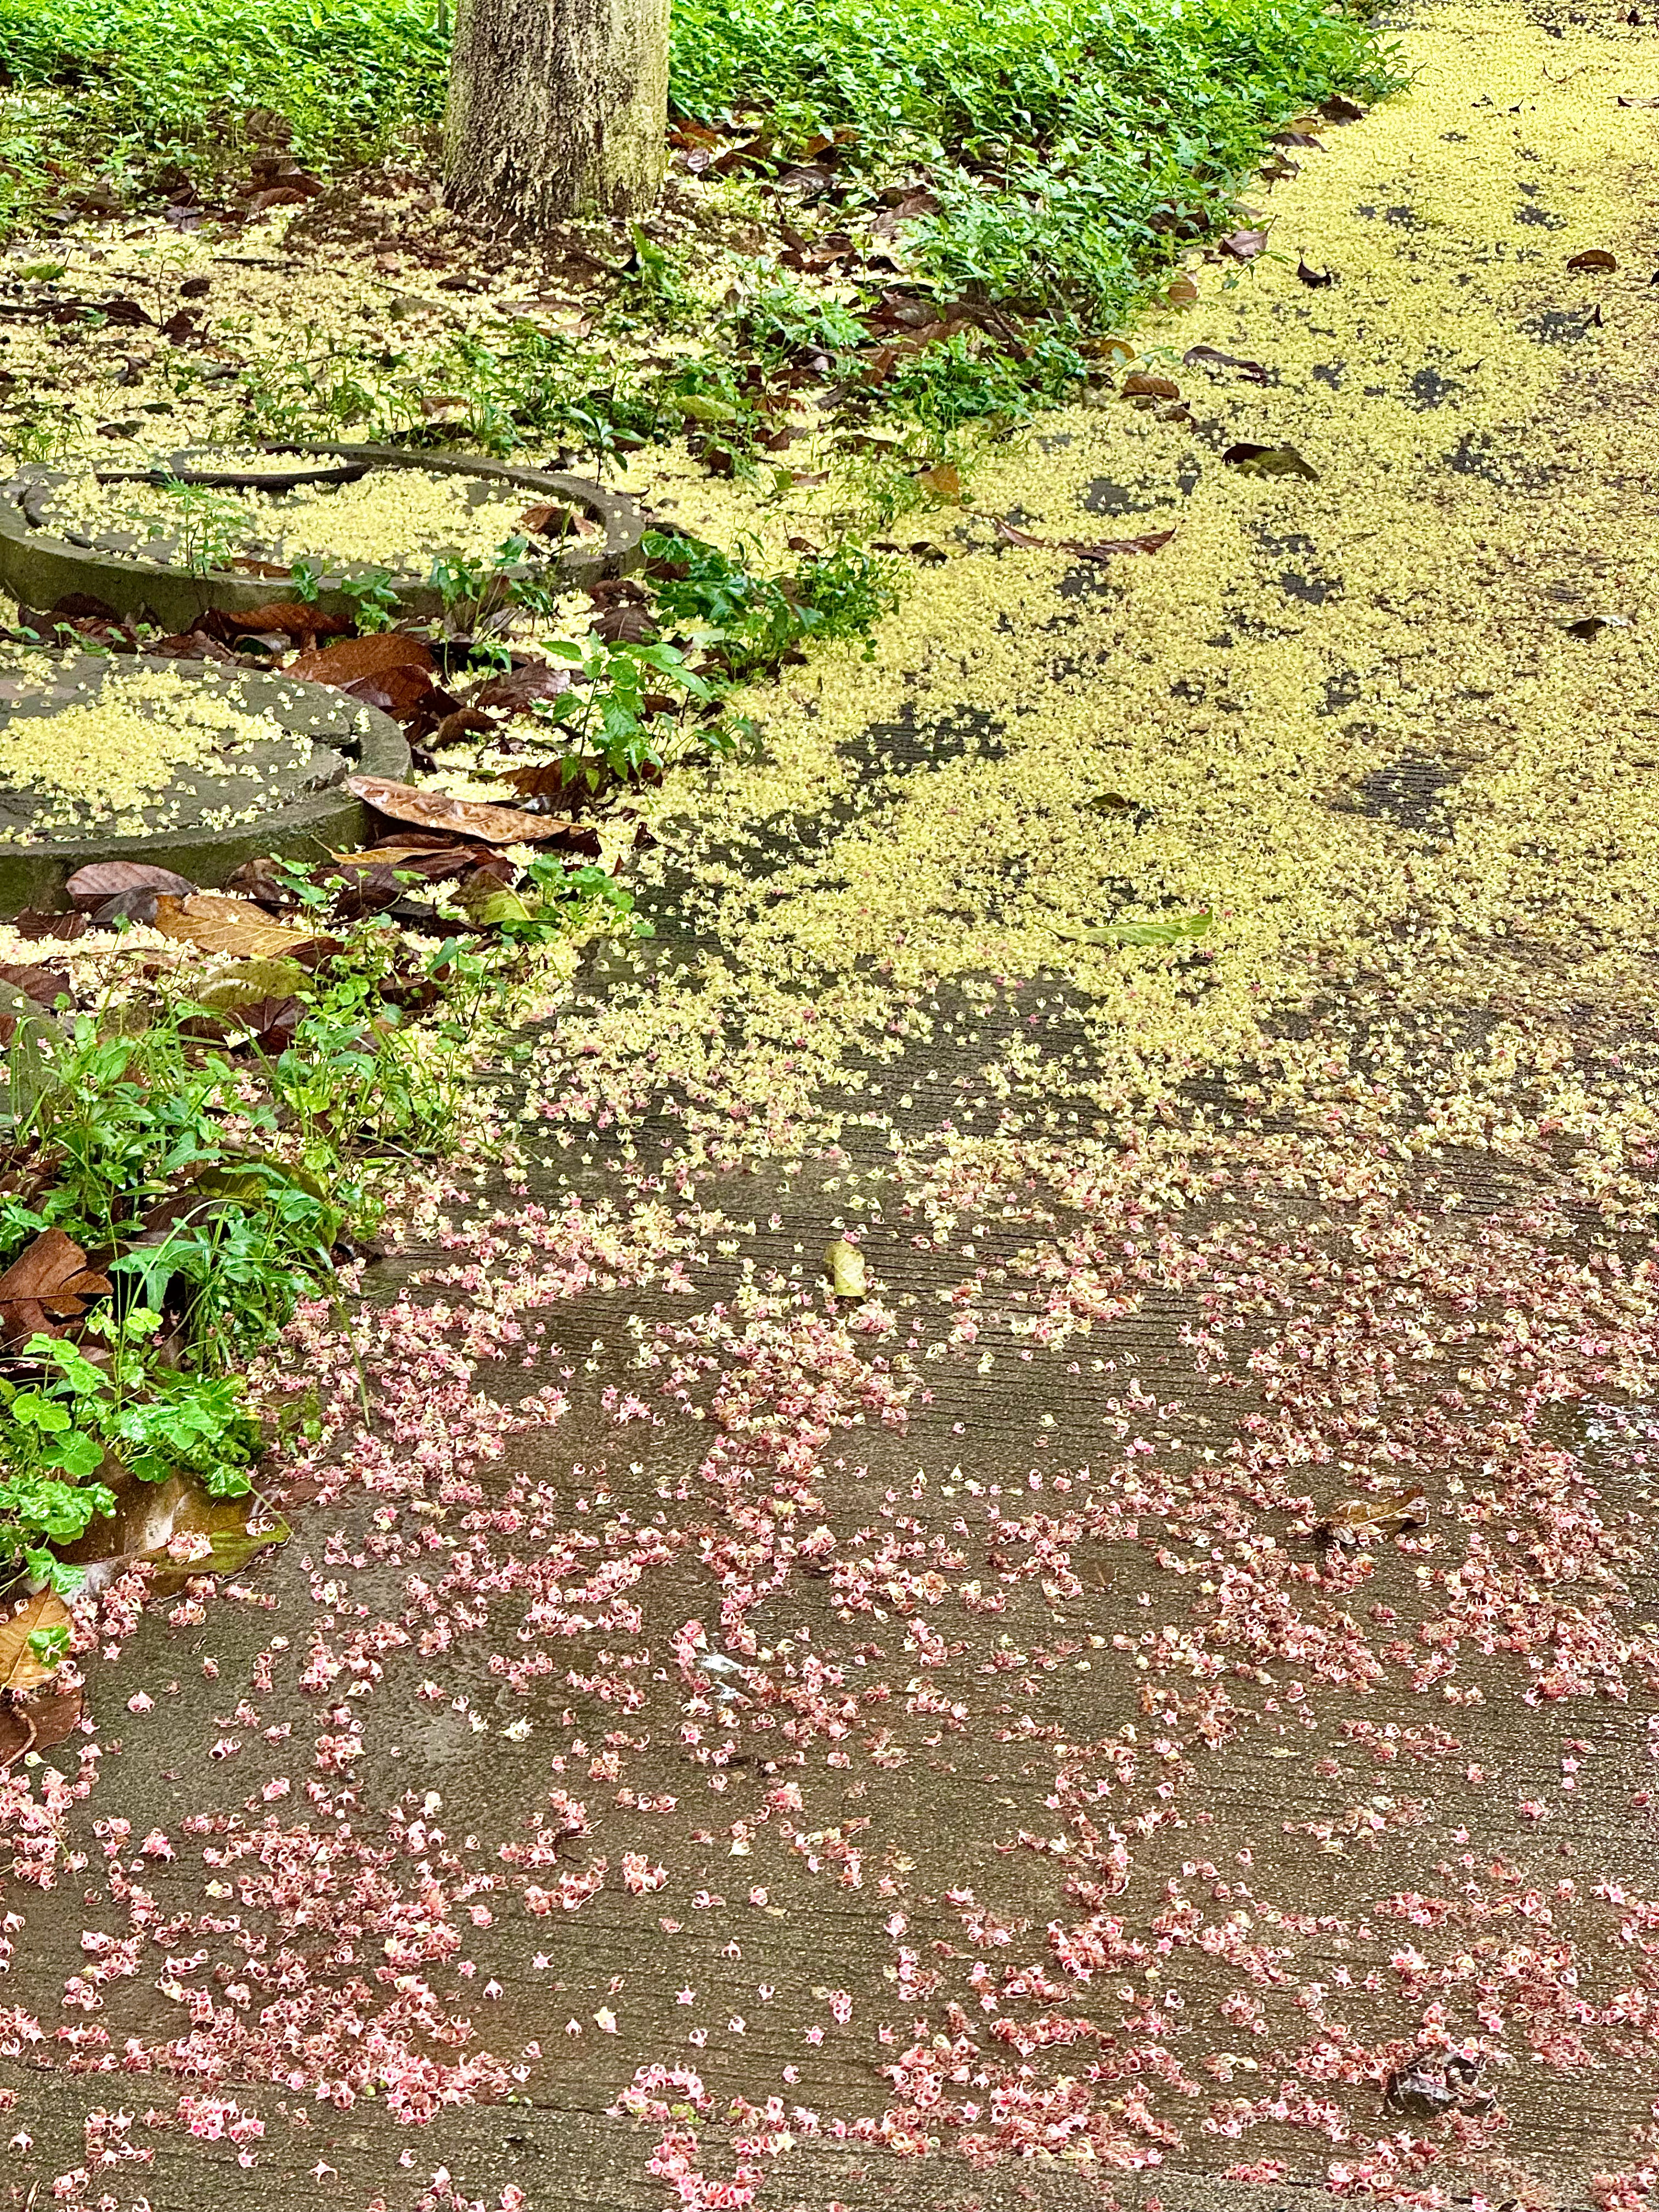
556,108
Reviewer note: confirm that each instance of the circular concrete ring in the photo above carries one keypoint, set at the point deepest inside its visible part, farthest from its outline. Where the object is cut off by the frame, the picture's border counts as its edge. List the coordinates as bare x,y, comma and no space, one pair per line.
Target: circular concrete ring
304,828
39,571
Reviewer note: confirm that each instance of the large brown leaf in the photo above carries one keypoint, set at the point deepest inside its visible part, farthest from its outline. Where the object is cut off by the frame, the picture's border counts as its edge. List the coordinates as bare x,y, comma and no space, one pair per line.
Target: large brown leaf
40,928
46,986
432,863
399,691
1141,384
216,924
550,520
217,1532
49,1280
21,1671
466,818
89,887
293,619
355,658
518,690
34,1714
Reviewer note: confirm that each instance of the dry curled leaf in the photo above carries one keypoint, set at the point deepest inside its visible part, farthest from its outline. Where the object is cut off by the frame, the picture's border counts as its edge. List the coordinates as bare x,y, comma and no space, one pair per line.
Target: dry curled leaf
49,1280
1316,277
548,520
1139,385
1356,1520
1103,549
1597,259
1252,460
1245,245
215,924
1211,358
462,817
1097,549
1437,2082
843,1266
88,888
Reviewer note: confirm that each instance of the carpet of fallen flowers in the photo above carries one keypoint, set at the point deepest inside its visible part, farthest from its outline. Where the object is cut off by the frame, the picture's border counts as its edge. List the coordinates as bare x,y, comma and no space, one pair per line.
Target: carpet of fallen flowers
1134,1680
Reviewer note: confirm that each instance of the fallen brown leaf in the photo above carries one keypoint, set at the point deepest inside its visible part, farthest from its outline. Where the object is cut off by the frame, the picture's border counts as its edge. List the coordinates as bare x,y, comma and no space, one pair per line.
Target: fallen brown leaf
21,1671
290,618
466,818
39,928
1099,549
46,986
356,658
518,690
399,690
1211,358
1595,257
90,886
1139,385
216,924
49,1280
1404,1506
944,480
34,1712
550,520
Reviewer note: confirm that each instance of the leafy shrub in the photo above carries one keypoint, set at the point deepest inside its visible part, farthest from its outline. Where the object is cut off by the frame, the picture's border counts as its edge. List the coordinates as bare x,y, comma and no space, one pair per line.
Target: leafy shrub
60,1433
758,619
1073,145
180,79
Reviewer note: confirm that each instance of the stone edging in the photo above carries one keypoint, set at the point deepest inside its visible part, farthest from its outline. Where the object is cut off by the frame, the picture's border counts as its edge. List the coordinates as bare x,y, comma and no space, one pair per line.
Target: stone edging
325,820
39,571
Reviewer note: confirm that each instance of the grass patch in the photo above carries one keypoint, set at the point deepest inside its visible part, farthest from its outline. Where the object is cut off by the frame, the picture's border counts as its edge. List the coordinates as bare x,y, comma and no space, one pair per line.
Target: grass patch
194,82
1073,146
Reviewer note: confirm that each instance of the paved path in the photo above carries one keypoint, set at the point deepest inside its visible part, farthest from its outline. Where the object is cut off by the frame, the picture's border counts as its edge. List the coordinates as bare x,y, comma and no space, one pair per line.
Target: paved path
711,1740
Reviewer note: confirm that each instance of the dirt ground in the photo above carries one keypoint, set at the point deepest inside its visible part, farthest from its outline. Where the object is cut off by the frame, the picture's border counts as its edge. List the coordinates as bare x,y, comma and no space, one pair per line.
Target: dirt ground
1156,1701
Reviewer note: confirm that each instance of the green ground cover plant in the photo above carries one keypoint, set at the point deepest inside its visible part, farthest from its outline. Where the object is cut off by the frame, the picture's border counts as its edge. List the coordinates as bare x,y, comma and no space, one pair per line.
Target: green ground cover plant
1062,154
195,82
1072,145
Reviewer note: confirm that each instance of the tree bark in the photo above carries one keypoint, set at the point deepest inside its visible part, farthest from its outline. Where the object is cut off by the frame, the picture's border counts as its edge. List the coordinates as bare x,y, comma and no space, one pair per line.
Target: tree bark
556,108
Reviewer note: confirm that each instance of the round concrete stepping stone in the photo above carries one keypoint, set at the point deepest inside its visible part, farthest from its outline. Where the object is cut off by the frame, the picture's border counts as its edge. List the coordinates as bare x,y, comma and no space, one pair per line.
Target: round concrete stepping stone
276,788
51,549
